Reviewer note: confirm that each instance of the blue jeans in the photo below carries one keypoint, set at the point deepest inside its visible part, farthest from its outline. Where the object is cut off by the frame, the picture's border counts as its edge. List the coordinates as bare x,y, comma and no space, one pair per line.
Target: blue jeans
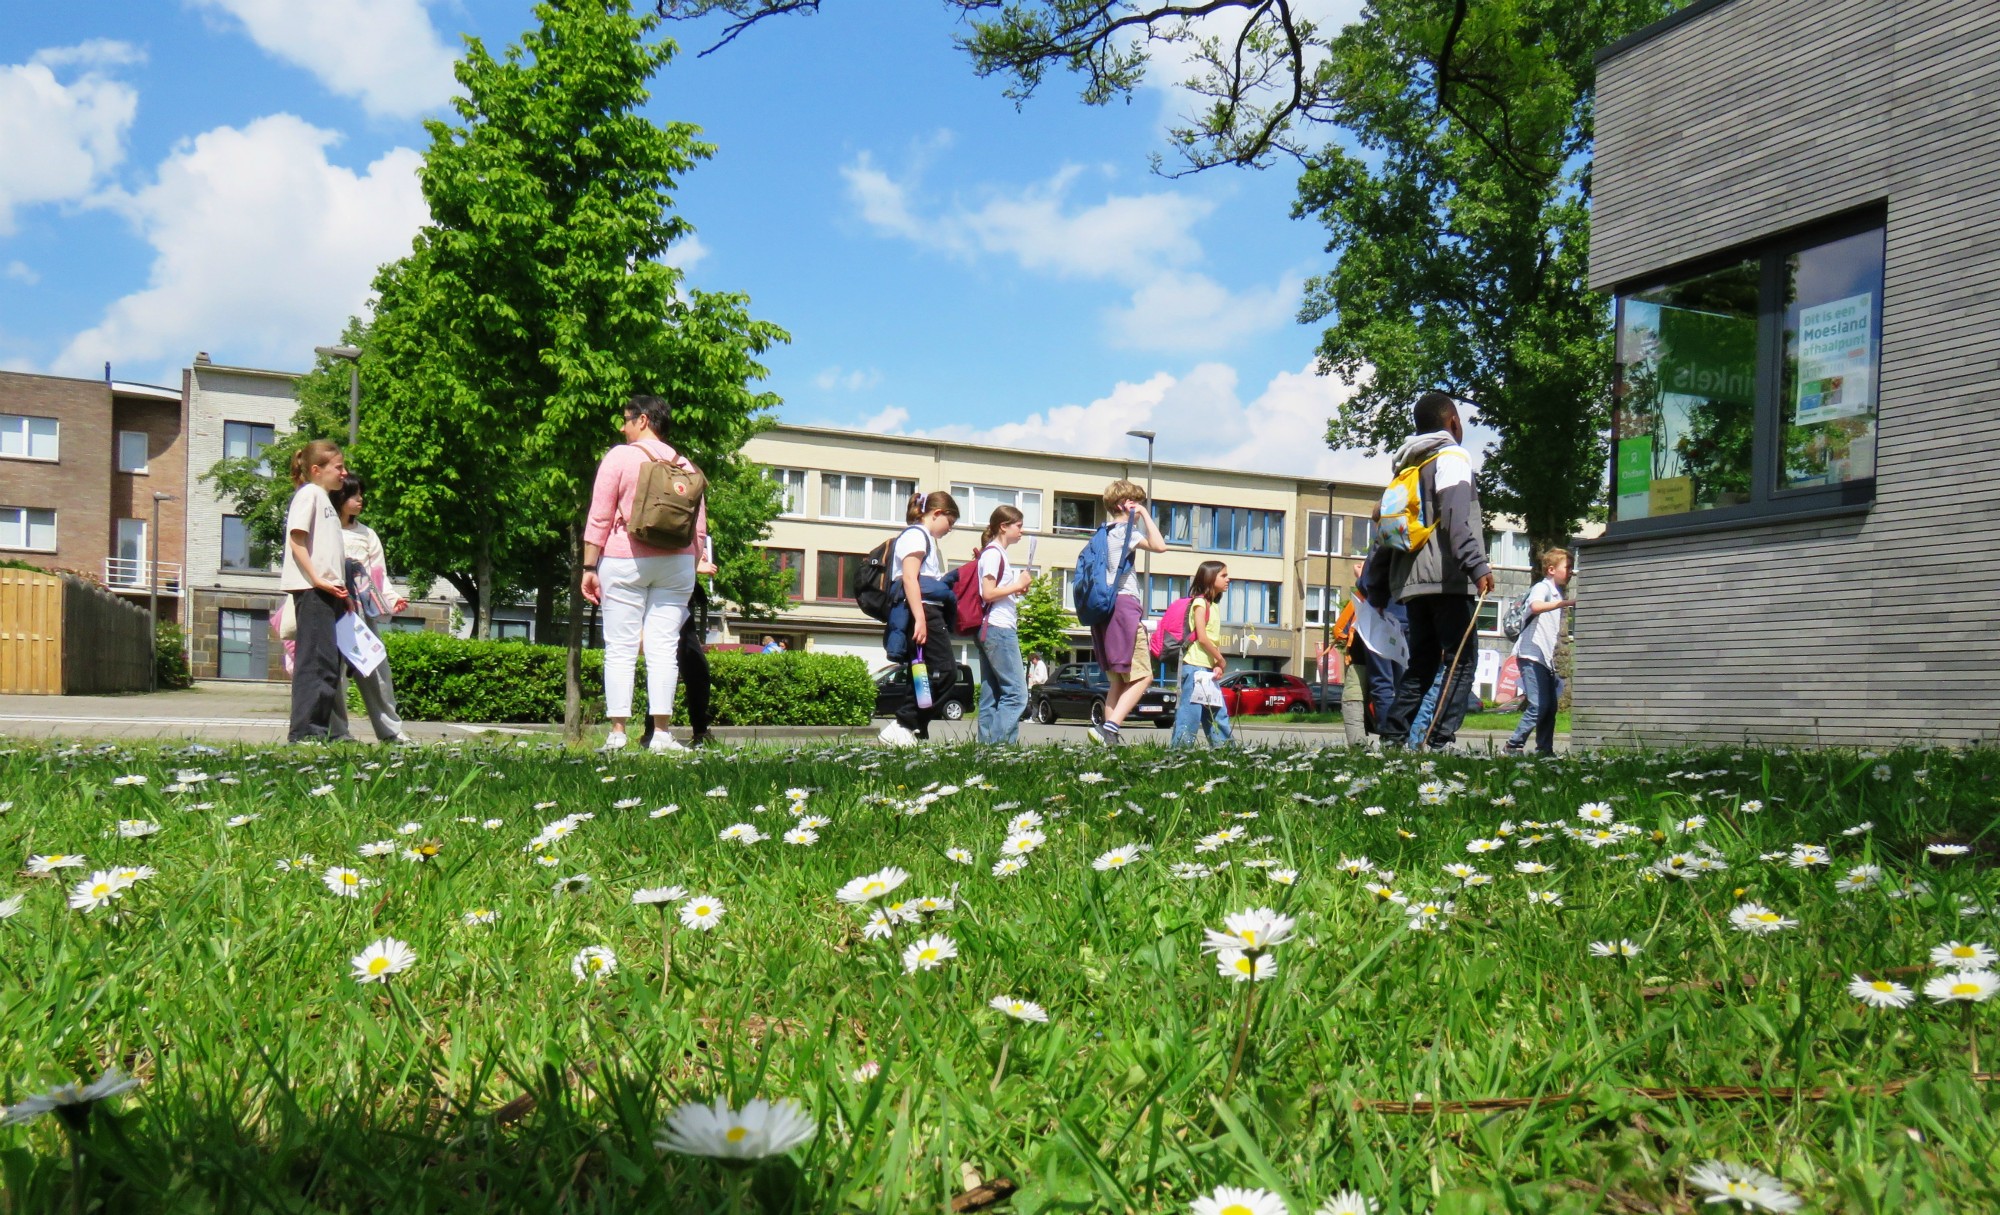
1539,682
1189,716
1003,687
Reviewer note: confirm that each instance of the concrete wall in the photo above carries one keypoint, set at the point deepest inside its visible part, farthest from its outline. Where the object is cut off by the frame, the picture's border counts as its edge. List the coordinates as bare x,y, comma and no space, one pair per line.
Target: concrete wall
1753,118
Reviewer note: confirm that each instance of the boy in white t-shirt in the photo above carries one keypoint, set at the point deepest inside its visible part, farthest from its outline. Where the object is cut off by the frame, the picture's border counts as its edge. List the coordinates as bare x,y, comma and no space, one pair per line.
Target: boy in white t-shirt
1535,654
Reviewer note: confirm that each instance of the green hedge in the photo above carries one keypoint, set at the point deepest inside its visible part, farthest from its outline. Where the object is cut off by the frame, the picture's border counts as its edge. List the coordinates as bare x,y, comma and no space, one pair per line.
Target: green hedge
444,678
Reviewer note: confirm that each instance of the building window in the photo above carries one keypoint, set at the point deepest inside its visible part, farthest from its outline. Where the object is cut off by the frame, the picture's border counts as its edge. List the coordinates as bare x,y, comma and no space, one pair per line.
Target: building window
1360,535
1508,550
406,624
28,527
240,550
1236,529
29,438
131,451
1489,618
1323,534
1077,514
1162,590
244,644
877,499
128,565
792,483
792,560
837,572
247,440
1322,605
511,630
1747,388
1068,588
978,503
1176,522
1251,602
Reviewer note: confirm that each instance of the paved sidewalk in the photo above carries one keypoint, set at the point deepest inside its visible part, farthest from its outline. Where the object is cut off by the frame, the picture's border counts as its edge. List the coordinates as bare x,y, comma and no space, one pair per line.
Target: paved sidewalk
221,713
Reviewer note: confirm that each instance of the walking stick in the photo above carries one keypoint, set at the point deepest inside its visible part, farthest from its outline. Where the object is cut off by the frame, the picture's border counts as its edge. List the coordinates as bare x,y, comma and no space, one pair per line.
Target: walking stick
1451,675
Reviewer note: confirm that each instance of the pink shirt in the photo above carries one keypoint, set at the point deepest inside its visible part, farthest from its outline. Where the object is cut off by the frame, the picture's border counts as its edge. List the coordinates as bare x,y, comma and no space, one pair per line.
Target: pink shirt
611,502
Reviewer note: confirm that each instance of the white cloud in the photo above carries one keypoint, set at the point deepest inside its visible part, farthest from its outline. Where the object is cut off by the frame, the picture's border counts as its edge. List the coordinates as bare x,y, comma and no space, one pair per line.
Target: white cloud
1201,419
1145,242
685,254
888,422
842,379
384,53
262,247
22,272
58,140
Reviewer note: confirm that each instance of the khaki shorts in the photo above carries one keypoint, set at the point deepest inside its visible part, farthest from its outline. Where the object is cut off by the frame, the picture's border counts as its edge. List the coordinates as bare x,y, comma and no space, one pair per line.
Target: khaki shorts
1142,656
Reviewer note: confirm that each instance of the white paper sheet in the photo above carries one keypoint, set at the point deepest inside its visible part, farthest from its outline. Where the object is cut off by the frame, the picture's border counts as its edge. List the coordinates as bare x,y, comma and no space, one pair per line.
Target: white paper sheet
1380,634
358,644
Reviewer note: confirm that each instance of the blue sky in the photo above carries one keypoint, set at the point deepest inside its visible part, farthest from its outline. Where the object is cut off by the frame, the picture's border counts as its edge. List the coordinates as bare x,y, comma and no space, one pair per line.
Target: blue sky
224,175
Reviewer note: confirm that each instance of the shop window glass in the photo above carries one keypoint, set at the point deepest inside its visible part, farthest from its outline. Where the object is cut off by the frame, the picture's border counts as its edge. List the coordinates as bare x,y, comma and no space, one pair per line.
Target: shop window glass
1833,326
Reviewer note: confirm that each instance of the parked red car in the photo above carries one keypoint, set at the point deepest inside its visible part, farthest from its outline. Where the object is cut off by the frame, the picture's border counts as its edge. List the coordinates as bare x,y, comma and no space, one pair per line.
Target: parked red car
1256,693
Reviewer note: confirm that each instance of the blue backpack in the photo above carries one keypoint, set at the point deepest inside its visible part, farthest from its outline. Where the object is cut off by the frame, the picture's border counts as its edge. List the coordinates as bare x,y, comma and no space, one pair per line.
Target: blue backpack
1092,586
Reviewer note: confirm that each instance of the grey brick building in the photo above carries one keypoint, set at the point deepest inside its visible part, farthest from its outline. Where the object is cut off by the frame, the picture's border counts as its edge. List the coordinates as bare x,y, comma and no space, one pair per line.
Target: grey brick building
1796,207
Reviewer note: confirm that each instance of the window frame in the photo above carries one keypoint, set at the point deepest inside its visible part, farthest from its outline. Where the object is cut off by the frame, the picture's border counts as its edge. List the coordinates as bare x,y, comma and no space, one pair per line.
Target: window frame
1093,506
898,498
1769,501
966,493
27,452
1333,524
249,551
145,452
1239,594
1318,594
27,544
820,589
264,466
256,623
783,477
793,559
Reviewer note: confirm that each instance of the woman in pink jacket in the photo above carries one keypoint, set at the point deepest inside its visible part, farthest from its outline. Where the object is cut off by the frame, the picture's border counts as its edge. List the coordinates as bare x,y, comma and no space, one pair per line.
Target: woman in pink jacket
644,590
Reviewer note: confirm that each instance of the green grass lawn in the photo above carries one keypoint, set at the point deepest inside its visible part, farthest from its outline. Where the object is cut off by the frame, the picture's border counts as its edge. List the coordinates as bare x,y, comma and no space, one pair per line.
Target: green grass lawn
1473,721
486,1076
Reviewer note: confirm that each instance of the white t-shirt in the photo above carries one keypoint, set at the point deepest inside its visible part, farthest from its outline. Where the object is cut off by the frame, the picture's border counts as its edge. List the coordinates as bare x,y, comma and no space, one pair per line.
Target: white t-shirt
1538,641
312,512
916,540
1120,538
1004,612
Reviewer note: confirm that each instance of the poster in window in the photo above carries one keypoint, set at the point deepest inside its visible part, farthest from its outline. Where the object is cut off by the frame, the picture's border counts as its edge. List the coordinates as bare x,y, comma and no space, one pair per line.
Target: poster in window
1635,477
1836,363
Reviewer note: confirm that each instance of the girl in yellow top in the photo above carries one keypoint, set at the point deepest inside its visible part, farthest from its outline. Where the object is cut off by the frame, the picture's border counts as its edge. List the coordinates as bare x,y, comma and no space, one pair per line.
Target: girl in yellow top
1202,662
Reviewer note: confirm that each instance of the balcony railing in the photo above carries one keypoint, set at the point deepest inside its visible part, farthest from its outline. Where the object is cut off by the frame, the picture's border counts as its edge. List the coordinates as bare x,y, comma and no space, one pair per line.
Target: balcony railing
127,574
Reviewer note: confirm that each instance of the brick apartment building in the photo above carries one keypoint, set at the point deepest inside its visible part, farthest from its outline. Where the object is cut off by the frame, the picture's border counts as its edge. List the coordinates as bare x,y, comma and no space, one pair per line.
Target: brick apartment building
81,462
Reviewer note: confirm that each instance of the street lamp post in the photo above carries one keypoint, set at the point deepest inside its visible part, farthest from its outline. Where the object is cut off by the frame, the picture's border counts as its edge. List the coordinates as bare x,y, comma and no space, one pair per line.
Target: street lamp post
153,593
1325,608
1149,436
353,356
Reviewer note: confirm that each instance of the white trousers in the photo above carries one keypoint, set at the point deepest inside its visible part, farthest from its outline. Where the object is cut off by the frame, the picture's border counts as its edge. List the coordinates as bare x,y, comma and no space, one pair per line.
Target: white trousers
643,597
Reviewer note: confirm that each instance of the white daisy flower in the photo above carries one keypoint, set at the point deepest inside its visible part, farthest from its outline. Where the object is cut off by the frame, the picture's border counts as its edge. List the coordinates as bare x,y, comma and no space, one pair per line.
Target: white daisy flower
958,854
866,1072
377,848
345,882
1478,846
1254,930
1022,843
1240,967
593,963
1349,1202
1880,993
1861,877
1020,1010
1027,820
65,1096
409,828
719,791
1596,812
760,1129
11,907
872,885
1545,898
804,836
320,790
96,891
702,912
134,779
1859,829
1742,1185
1191,871
928,953
241,820
1621,948
131,875
1956,955
385,957
664,811
1972,986
1759,920
1804,856
136,828
1374,811
1117,858
1531,868
1283,877
1946,849
626,803
1008,866
41,866
479,915
1752,807
1355,866
653,896
742,833
881,924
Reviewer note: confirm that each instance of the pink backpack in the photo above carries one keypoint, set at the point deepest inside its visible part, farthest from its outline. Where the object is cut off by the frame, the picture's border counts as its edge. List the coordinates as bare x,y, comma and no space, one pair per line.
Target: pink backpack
1172,635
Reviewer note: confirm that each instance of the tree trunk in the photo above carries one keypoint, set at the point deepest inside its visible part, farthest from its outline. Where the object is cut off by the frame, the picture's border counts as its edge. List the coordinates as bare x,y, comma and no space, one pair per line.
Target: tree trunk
469,590
573,662
545,607
482,571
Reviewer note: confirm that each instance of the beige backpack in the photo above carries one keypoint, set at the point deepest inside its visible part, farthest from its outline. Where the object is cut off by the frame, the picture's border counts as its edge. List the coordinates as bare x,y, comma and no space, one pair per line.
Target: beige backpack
666,501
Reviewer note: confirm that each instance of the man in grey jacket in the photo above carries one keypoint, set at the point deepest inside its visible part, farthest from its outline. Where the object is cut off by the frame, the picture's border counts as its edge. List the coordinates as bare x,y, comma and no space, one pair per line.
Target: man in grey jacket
1440,582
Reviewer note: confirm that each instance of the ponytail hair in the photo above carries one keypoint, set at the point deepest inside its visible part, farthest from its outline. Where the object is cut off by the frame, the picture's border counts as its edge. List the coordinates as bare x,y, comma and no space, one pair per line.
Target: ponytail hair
922,504
1203,586
1002,516
311,456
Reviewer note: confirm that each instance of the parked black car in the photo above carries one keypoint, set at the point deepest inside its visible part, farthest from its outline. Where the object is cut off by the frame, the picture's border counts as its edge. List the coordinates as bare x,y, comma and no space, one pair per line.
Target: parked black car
1075,691
892,688
1326,698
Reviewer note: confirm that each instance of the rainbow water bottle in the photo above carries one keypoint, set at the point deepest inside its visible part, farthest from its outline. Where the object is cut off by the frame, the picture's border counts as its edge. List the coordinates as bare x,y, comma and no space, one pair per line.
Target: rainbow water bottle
920,679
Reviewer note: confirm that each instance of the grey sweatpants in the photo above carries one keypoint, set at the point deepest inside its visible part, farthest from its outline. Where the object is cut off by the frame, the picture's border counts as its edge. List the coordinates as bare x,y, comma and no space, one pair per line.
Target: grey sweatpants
378,696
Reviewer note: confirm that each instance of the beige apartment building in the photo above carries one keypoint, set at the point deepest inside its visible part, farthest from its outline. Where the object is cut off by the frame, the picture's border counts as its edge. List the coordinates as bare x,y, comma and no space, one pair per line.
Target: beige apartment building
846,492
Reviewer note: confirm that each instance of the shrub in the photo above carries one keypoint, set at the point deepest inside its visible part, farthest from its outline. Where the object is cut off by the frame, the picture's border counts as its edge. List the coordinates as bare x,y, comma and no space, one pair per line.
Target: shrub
443,678
170,660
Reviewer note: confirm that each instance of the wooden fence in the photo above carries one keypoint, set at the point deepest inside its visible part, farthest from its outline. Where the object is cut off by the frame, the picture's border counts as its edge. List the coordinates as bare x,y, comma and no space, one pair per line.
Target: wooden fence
62,635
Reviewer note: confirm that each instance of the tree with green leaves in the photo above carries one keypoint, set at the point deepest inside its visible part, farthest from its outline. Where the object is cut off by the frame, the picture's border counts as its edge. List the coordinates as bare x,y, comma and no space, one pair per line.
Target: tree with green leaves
1446,146
538,300
1043,625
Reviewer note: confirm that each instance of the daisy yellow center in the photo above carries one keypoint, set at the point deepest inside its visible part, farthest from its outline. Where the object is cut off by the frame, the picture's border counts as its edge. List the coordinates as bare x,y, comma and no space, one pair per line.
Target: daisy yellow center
481,913
1737,1187
347,879
1237,1208
101,889
1883,985
377,965
872,888
1964,989
928,955
1961,951
595,964
1249,935
1765,917
735,1134
701,910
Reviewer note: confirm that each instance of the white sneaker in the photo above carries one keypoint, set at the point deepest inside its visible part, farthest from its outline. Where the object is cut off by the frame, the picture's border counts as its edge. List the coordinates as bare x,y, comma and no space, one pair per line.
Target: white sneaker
897,735
663,743
614,742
